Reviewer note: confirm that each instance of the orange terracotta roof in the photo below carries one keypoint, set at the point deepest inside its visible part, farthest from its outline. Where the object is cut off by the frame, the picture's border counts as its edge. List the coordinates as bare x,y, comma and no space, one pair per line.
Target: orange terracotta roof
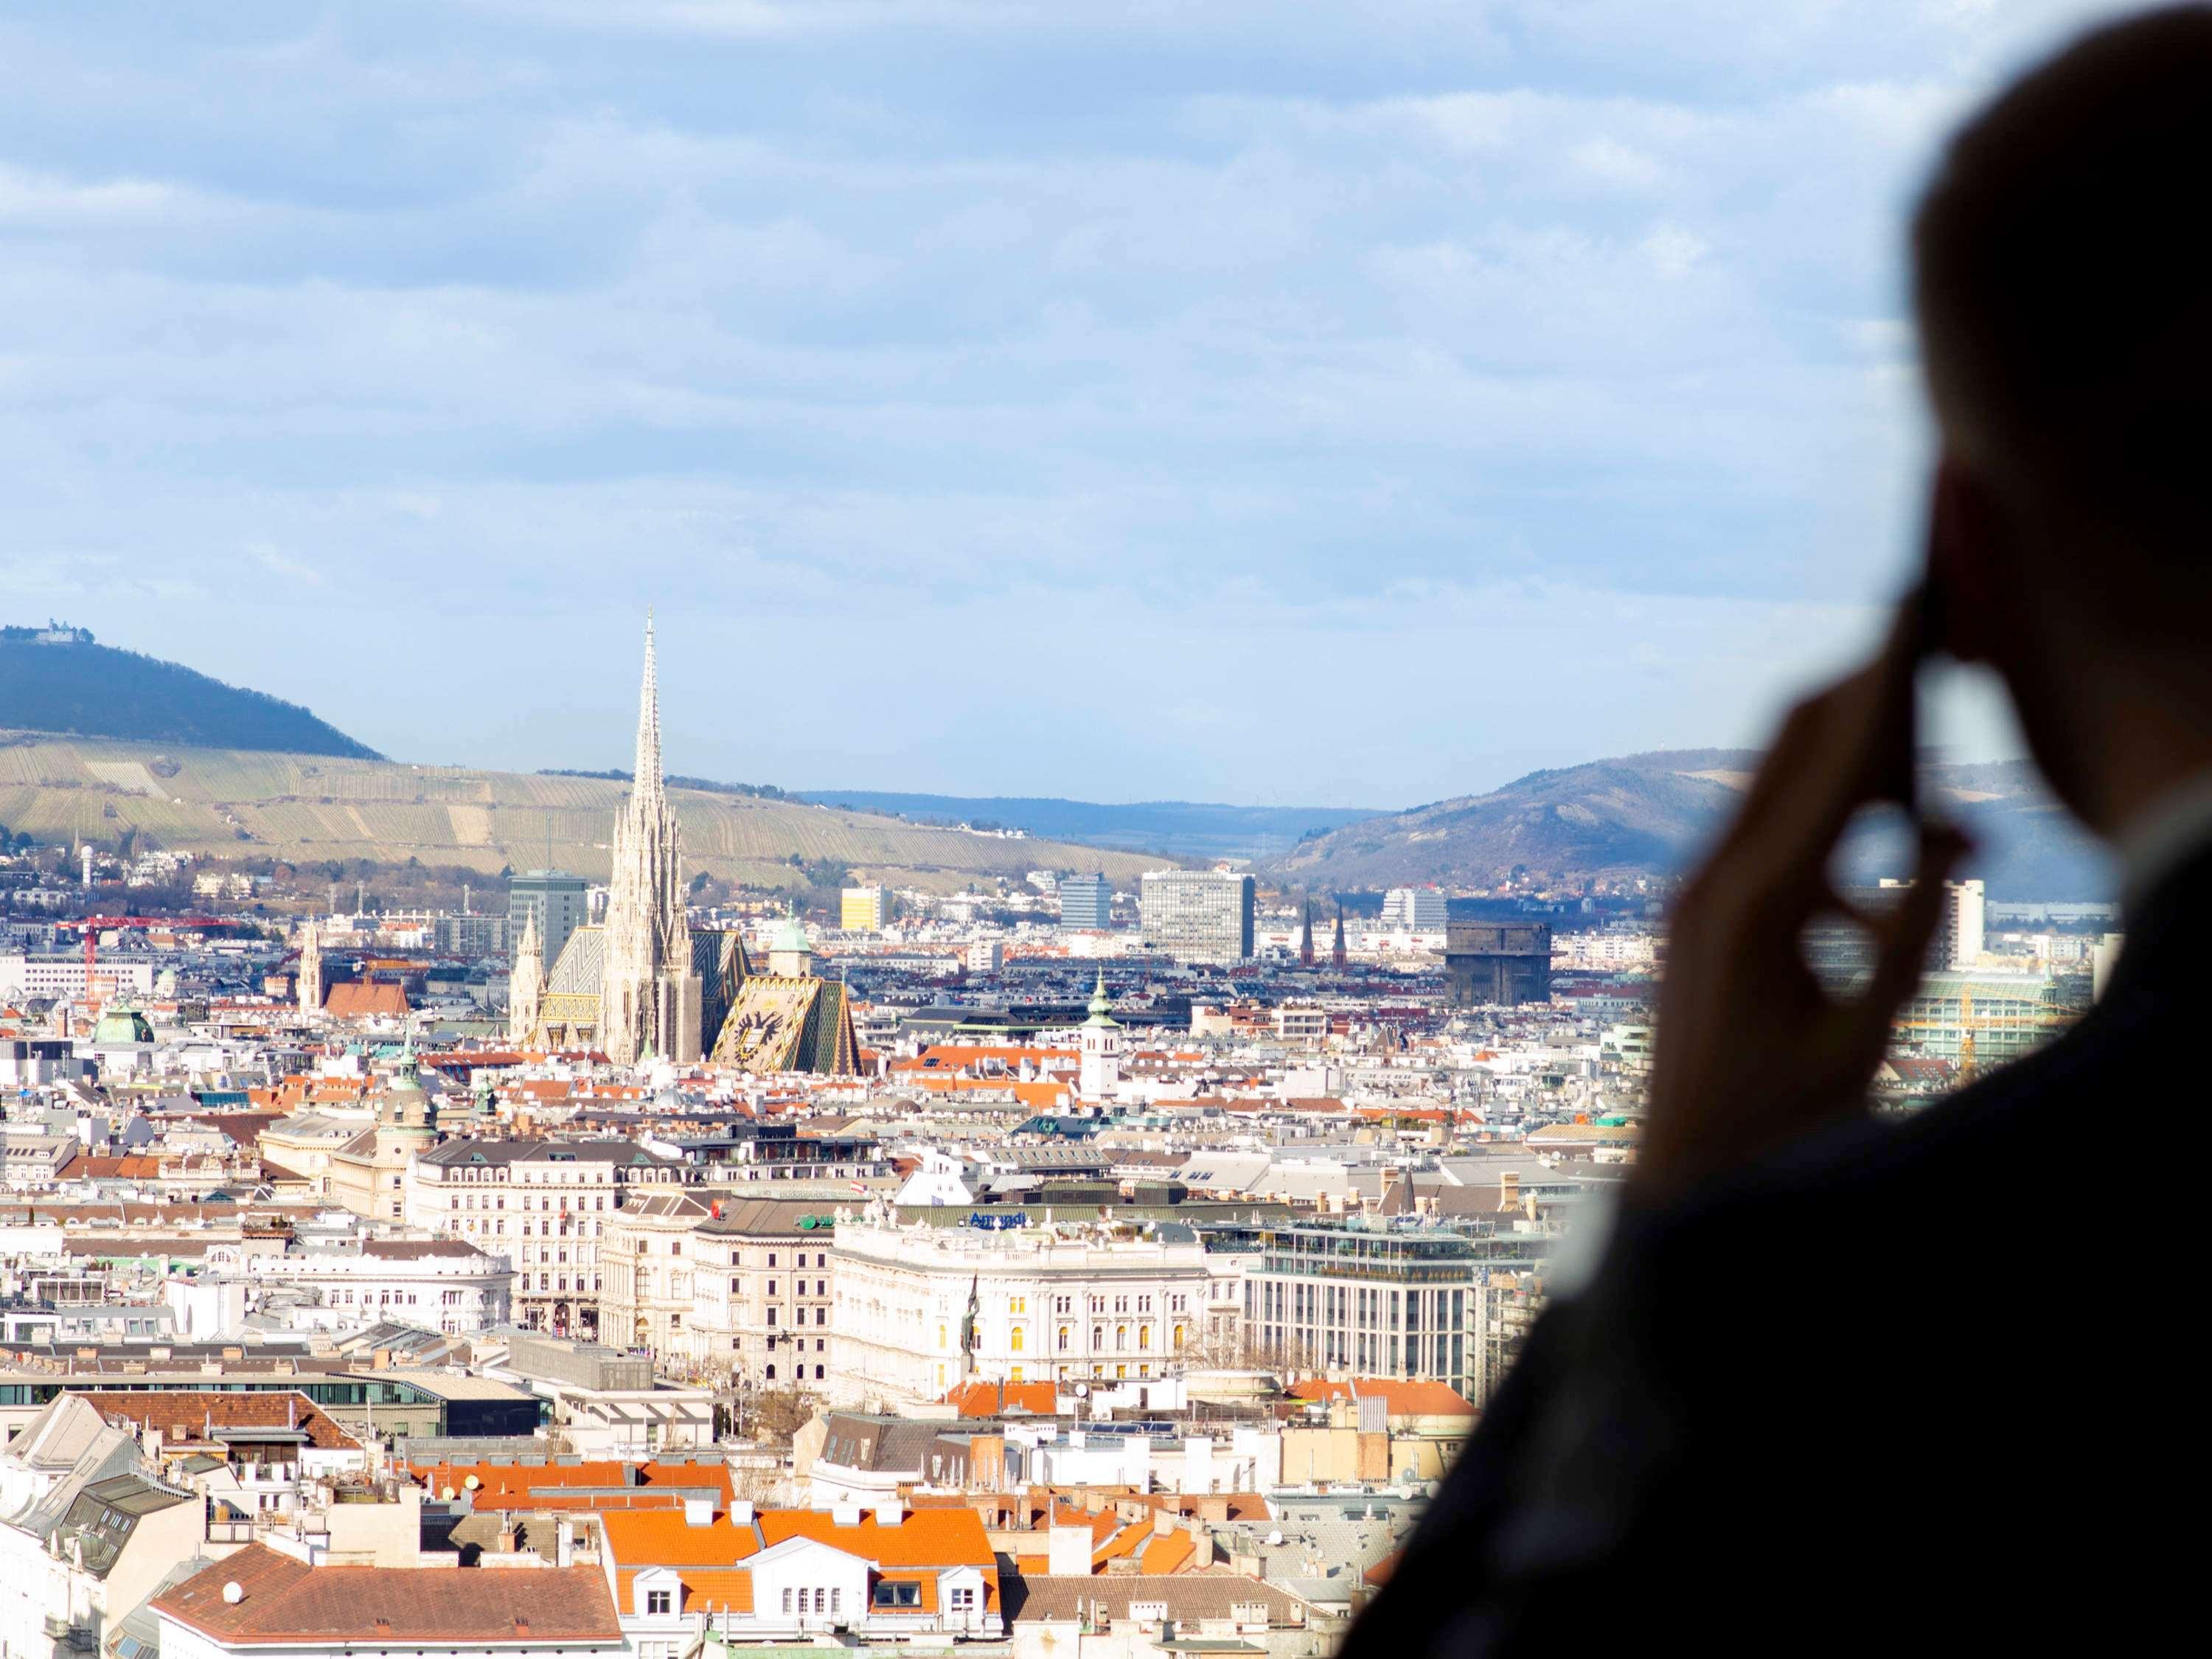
1169,1552
533,1485
990,1399
922,1538
1399,1399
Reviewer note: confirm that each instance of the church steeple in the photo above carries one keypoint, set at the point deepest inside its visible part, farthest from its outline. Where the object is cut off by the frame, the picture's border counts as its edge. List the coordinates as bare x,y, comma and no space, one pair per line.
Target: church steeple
649,997
645,775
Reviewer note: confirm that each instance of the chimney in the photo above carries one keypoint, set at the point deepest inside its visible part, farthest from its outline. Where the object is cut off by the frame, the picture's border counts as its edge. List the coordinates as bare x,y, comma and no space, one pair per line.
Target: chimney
564,1541
1508,1190
698,1511
741,1513
890,1514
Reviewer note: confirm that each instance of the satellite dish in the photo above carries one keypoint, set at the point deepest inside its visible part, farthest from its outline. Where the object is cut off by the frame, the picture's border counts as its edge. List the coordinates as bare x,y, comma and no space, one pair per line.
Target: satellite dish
447,1494
1082,1389
234,1592
472,1483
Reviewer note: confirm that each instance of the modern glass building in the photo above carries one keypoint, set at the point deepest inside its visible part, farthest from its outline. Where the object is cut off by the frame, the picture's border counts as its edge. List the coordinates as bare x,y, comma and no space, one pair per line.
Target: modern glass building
1376,1301
1087,904
558,900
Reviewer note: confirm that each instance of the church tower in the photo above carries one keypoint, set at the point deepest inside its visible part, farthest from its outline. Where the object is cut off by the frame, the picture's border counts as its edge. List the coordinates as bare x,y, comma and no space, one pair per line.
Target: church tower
1337,957
311,968
526,985
1306,938
650,996
1100,1042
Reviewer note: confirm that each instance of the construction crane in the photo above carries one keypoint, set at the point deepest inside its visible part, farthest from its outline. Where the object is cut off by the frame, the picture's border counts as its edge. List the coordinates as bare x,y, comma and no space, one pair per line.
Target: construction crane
92,925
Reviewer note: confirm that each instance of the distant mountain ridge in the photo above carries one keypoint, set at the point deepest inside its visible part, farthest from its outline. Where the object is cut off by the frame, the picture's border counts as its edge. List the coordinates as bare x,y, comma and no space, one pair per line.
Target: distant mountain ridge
59,679
1189,829
1648,814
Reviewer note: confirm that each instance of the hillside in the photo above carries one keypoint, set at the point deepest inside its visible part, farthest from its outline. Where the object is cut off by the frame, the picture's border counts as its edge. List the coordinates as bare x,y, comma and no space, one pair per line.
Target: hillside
61,680
305,808
1192,830
1647,814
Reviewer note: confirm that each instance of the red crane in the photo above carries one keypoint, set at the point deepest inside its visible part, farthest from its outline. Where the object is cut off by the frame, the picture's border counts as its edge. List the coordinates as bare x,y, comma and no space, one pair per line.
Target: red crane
92,925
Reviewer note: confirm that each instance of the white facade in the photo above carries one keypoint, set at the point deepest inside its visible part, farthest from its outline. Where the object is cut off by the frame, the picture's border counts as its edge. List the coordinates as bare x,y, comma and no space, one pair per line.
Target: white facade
1197,915
441,1285
1413,909
61,974
1064,1302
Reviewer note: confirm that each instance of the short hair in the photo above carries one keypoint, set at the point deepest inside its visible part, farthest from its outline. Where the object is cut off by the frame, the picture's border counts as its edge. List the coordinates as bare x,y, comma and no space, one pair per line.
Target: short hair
2063,278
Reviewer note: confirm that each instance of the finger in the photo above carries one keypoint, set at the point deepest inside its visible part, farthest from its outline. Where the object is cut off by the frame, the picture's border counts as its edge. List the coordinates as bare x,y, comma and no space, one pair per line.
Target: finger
1863,719
1903,952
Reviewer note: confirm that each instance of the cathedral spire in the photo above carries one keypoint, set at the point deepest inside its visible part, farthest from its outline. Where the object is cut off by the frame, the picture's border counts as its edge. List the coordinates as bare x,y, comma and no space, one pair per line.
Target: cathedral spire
648,990
646,772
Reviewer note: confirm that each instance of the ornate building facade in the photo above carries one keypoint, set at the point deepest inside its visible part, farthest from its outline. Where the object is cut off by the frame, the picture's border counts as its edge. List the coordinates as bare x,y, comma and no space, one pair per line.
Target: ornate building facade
526,984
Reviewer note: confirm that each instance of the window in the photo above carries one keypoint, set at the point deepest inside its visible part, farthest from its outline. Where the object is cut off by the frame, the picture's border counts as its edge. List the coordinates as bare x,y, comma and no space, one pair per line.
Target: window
964,1599
817,1373
1018,1304
657,1601
1063,1339
897,1595
1017,1339
788,1591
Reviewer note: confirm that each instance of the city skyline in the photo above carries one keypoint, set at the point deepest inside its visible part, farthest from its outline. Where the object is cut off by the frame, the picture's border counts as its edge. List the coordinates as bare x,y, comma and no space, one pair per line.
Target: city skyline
1134,412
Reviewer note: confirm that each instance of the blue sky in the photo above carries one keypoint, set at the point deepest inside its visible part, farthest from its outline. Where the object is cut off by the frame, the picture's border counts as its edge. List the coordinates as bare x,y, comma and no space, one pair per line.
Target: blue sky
1267,402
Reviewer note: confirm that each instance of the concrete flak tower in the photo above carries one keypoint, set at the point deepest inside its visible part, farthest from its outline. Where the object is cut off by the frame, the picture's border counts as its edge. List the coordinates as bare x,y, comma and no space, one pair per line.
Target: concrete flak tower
649,996
526,984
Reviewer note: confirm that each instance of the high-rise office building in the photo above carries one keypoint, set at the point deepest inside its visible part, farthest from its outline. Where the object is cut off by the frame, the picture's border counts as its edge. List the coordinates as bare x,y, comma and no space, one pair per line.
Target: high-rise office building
1965,912
1087,904
1197,915
555,900
861,910
1415,909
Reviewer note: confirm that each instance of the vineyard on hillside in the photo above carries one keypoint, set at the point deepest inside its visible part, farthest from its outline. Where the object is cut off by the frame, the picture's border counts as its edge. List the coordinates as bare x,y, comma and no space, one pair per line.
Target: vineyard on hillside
311,809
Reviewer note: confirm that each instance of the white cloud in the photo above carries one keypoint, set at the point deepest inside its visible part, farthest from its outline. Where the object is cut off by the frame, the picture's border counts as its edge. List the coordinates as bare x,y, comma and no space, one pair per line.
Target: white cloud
1310,362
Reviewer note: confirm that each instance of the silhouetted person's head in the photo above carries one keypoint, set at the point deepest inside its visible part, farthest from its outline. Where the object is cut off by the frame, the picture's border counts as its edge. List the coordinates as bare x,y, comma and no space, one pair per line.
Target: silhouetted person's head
2063,281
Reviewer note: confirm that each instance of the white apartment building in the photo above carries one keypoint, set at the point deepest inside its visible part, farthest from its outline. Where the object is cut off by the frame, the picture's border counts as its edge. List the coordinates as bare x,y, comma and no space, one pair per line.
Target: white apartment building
918,1309
542,1203
445,1284
761,1297
1414,909
61,974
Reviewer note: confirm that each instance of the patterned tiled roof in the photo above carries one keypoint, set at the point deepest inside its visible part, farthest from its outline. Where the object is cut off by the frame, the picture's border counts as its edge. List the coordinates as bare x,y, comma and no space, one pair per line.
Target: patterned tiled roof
284,1601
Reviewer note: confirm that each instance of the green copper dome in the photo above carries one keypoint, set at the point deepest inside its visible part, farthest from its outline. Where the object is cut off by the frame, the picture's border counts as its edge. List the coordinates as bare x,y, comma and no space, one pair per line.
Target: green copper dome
790,935
120,1025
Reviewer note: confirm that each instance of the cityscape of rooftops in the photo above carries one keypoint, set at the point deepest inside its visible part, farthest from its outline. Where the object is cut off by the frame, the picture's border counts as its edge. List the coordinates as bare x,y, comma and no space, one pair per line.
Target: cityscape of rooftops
853,825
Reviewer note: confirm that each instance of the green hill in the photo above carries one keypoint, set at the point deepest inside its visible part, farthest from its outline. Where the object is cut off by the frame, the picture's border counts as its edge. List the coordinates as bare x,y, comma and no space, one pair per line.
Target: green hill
308,809
59,679
1647,815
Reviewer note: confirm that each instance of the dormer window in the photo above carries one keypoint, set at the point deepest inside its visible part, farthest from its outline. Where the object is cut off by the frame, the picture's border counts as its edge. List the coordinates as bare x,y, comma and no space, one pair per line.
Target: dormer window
660,1601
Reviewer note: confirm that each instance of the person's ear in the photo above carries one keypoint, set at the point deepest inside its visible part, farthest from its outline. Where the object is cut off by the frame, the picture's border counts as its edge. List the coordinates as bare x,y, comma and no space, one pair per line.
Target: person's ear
1968,562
